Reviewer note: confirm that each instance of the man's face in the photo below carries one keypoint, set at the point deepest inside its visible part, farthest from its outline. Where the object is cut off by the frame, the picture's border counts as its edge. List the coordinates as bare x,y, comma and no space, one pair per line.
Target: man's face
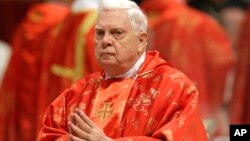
117,45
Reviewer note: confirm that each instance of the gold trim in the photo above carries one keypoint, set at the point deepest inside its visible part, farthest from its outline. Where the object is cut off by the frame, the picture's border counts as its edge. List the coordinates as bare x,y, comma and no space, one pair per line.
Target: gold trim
78,70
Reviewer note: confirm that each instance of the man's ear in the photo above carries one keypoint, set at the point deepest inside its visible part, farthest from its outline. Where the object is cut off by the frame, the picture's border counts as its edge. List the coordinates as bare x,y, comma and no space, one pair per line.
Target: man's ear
143,38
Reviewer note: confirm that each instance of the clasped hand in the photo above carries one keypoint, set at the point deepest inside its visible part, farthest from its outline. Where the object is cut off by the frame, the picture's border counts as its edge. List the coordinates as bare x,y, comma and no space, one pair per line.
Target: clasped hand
82,128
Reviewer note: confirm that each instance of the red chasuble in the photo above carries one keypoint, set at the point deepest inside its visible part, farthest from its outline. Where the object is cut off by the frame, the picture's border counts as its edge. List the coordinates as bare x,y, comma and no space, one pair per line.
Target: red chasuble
240,105
159,103
194,43
72,56
19,93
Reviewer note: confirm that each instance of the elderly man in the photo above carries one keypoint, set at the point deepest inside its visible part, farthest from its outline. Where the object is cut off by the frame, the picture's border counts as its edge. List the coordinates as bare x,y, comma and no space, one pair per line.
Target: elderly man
137,96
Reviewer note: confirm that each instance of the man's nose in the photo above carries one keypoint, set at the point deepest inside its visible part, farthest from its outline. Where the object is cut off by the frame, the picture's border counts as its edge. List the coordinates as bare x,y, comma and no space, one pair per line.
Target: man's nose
107,41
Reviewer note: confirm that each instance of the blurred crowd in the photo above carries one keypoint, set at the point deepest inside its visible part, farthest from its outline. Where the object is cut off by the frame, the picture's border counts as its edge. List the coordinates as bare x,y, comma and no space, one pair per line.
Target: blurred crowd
53,46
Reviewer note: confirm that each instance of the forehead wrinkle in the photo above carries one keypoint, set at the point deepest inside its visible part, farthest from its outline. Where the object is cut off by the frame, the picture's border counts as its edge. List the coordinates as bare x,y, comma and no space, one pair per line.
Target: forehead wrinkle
113,26
110,14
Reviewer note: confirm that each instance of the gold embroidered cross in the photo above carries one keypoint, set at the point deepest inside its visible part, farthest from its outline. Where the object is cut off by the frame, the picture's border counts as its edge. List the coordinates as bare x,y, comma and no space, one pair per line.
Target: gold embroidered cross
105,111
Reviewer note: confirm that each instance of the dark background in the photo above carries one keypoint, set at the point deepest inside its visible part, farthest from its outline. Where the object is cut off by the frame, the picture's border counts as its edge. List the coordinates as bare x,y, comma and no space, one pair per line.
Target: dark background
11,13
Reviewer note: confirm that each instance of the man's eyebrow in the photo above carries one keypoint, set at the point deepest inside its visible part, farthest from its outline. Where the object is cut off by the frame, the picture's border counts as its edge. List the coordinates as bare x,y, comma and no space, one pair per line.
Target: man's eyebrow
98,27
117,28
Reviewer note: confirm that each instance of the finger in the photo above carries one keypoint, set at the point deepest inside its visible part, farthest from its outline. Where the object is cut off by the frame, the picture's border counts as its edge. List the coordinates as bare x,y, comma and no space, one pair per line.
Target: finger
78,132
69,127
81,123
86,118
71,118
74,138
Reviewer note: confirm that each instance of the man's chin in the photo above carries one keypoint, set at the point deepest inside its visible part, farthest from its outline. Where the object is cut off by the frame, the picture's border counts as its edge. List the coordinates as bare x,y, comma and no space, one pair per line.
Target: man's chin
107,63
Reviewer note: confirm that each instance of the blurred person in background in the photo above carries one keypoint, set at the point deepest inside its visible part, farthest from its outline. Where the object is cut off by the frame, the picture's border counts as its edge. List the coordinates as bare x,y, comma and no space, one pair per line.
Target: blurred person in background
19,92
240,103
195,43
71,56
210,7
233,14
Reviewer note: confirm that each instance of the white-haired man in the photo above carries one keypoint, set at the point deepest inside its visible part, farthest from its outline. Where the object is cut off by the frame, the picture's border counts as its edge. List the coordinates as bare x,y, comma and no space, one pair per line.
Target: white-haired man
137,96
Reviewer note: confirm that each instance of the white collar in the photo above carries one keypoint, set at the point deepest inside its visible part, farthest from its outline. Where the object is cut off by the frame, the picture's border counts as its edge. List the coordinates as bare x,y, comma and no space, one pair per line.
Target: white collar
131,72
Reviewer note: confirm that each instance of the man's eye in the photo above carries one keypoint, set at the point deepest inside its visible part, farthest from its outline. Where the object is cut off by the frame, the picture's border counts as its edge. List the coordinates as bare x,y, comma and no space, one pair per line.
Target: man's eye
117,34
99,33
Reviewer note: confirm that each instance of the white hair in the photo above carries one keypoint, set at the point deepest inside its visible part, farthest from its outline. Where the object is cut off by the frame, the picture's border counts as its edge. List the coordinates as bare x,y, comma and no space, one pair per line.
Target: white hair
80,5
136,17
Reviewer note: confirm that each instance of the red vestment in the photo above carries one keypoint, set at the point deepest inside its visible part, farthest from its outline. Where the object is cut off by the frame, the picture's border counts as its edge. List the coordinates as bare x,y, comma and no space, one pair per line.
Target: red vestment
240,105
194,43
72,56
159,103
19,93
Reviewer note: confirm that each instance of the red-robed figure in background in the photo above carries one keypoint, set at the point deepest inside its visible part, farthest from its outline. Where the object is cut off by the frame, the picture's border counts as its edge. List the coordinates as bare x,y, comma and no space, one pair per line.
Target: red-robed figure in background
137,96
71,55
196,44
19,93
240,105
